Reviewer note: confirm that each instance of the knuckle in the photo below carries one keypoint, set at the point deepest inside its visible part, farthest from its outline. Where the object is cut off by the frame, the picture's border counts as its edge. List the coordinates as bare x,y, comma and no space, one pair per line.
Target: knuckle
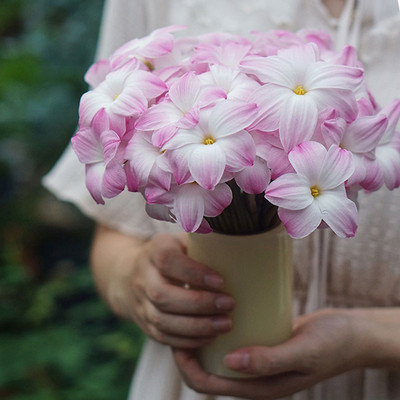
156,320
164,258
157,296
158,336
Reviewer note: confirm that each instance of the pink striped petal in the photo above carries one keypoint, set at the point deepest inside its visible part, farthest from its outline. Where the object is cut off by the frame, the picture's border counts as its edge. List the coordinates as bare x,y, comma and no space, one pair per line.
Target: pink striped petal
231,116
239,149
163,135
204,227
298,120
110,142
323,75
290,191
184,92
338,166
130,102
94,180
272,69
270,100
389,161
179,160
189,207
217,200
87,147
159,116
374,178
207,164
392,110
342,100
149,84
332,131
254,179
300,223
307,159
339,213
97,72
364,134
114,180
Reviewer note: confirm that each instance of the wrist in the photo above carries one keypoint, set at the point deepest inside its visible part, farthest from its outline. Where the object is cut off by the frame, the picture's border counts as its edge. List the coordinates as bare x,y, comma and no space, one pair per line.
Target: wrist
376,337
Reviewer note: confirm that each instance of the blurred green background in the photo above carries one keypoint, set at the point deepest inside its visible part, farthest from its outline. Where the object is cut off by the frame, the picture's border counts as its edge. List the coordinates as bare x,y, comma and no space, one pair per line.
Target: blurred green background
57,339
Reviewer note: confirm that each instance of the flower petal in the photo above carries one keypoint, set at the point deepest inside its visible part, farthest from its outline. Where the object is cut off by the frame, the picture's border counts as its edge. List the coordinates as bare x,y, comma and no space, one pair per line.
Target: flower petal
300,223
298,120
342,100
290,191
339,213
184,92
231,116
239,149
94,180
364,134
189,207
337,167
114,179
254,179
159,116
207,164
215,201
307,159
322,75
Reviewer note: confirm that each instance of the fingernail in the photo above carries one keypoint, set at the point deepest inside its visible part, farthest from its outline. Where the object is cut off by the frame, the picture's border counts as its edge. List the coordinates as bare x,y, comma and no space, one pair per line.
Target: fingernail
224,303
237,360
214,281
222,324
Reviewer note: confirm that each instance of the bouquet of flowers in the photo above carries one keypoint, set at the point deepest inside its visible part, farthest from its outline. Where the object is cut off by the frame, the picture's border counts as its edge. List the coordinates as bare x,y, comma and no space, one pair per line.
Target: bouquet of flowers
221,132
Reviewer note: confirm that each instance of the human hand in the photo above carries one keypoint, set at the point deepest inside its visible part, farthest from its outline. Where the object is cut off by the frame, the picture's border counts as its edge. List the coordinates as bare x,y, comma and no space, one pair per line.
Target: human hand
323,344
152,293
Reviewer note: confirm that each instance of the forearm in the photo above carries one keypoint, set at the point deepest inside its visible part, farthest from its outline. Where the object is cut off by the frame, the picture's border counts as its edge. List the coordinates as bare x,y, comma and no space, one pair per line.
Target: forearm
112,259
378,330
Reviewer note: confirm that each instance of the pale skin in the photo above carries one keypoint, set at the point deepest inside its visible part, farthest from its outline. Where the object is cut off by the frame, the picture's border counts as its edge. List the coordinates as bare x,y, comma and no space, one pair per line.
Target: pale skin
143,281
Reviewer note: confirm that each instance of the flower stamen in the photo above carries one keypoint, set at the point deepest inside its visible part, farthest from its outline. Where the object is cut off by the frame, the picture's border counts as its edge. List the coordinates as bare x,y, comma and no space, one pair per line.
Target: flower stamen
299,91
208,140
315,191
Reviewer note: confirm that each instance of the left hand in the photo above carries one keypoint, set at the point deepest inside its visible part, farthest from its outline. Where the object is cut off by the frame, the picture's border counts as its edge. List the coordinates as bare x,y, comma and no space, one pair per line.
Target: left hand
324,344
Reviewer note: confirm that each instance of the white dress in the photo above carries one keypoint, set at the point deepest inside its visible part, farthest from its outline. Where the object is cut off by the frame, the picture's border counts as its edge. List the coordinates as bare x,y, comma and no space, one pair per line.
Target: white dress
329,272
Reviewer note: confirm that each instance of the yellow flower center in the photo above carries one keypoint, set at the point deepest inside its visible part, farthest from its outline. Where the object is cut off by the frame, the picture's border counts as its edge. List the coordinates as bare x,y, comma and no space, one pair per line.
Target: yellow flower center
315,191
148,64
116,96
300,91
208,140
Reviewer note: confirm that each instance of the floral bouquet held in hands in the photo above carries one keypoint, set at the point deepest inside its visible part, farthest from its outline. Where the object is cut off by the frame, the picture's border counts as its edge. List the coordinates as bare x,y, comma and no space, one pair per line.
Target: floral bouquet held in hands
223,133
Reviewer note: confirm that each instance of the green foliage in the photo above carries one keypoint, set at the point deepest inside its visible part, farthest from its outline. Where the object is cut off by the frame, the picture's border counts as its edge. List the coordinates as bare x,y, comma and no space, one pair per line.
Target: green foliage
57,339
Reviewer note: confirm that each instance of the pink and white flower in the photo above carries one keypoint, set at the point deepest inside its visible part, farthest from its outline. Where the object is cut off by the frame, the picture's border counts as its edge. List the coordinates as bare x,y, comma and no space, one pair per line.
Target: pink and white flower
316,192
298,85
218,142
97,147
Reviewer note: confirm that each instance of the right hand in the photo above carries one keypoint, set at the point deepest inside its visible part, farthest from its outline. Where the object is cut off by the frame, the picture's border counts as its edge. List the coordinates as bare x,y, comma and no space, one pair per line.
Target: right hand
174,299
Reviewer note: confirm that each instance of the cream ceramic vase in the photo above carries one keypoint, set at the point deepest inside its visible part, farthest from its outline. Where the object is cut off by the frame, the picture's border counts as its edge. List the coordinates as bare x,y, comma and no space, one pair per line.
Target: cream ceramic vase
258,273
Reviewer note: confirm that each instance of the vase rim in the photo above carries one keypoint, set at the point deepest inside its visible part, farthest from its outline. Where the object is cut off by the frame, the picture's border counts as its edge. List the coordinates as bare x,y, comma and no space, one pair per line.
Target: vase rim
277,229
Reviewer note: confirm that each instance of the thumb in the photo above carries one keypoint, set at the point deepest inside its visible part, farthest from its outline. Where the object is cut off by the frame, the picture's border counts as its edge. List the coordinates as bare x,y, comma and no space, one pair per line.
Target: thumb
266,361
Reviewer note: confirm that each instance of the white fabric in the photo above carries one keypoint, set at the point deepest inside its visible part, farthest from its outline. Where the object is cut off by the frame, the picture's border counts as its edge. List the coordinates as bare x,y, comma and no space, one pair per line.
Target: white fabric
329,271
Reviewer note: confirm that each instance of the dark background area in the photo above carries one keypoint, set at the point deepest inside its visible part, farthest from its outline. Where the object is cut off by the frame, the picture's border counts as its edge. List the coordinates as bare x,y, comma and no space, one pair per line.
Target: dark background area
57,339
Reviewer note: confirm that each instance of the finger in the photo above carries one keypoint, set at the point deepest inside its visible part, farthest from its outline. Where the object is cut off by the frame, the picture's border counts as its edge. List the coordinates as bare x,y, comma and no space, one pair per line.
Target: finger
180,342
187,326
257,388
178,300
168,256
292,356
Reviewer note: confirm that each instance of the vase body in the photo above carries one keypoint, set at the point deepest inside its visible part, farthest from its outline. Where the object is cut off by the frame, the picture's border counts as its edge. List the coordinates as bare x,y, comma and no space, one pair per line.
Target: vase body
258,273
